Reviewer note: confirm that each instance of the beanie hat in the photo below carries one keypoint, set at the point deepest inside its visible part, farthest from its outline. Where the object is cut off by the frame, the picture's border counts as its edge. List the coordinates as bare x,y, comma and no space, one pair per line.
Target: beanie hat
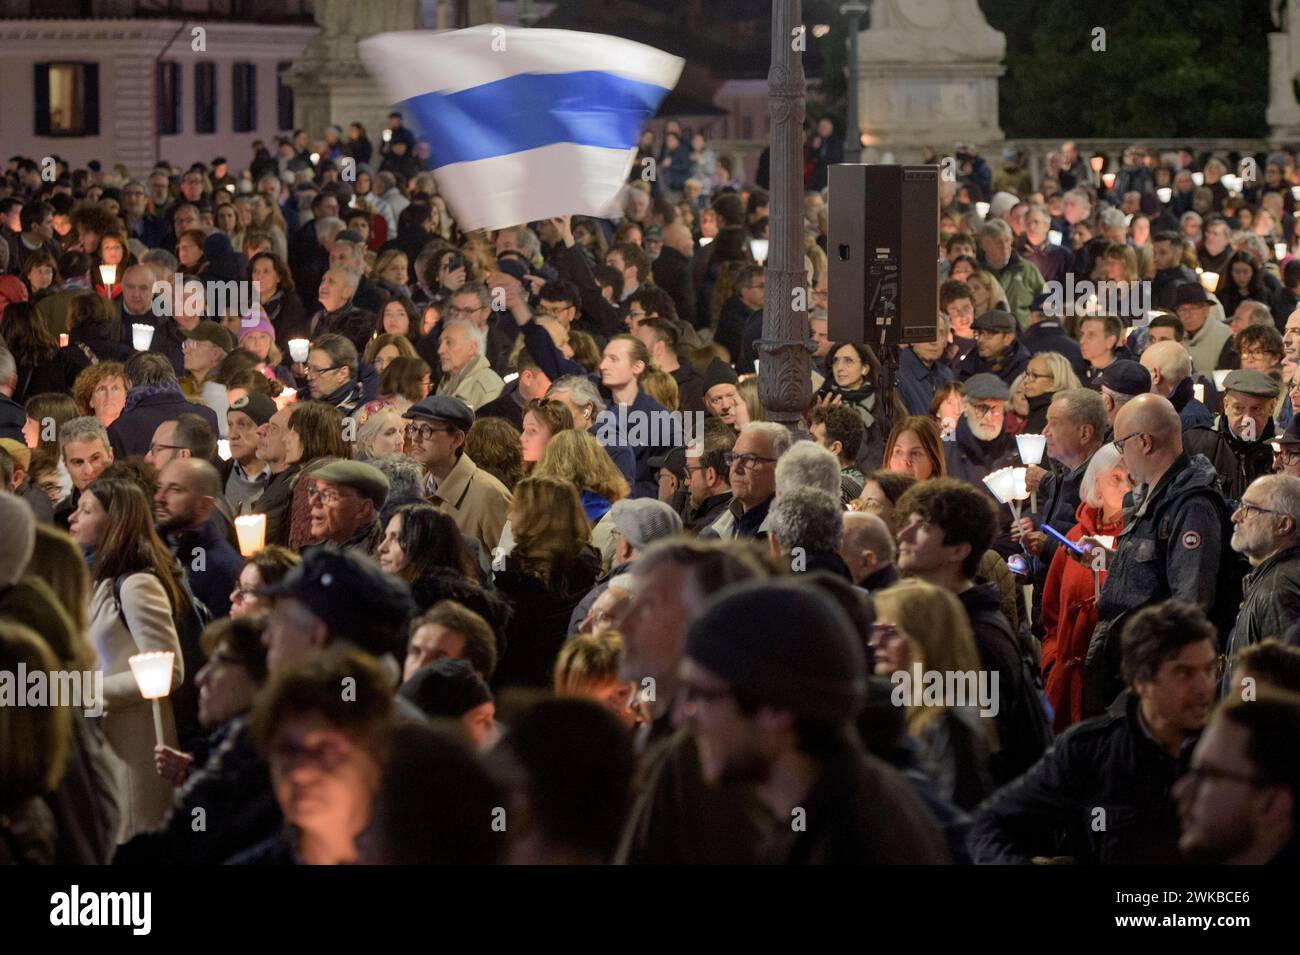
719,372
18,531
446,688
783,645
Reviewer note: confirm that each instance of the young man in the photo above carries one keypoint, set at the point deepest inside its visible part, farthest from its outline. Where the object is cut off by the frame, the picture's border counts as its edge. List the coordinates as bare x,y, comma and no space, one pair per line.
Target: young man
1099,345
184,508
840,431
624,361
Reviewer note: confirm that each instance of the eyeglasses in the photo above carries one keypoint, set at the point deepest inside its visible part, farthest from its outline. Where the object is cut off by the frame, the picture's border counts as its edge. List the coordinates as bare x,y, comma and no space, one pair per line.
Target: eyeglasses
1285,456
1034,376
313,371
458,312
743,462
155,448
328,498
1246,507
1119,442
984,411
1259,356
423,432
1202,774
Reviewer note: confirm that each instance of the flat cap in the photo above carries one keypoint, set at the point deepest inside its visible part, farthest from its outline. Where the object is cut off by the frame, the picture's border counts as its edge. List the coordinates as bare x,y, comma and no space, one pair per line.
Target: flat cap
445,408
1126,378
206,331
987,386
366,479
1253,383
996,320
643,520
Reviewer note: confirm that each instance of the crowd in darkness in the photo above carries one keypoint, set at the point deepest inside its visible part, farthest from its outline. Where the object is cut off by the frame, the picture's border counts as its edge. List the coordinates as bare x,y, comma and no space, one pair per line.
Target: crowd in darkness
532,579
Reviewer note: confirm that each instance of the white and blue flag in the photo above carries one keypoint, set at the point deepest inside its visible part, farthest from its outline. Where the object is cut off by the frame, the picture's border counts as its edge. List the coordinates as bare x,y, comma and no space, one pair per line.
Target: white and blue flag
524,124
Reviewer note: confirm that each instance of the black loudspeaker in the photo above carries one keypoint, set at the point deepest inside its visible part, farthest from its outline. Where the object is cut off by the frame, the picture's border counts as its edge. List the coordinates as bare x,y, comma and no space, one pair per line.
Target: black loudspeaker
883,247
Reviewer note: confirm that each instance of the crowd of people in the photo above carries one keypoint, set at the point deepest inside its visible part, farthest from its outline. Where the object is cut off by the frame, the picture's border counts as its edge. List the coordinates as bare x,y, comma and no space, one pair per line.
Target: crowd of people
476,547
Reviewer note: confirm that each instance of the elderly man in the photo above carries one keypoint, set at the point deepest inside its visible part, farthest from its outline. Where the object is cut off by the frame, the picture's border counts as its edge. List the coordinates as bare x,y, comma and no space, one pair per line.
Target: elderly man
982,445
868,548
1020,280
1267,533
753,481
1216,249
1121,381
465,369
345,502
997,352
245,474
184,508
1172,546
337,314
1170,368
1237,443
1208,341
476,501
806,527
1286,450
1035,246
721,392
332,367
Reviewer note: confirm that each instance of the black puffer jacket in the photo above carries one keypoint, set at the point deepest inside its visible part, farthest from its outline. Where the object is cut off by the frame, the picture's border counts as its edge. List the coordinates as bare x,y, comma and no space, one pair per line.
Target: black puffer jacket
1238,462
1101,794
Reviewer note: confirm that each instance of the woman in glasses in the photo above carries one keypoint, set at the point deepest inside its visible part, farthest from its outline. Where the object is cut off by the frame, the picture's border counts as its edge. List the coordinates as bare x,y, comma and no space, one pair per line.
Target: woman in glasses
313,438
1045,375
268,566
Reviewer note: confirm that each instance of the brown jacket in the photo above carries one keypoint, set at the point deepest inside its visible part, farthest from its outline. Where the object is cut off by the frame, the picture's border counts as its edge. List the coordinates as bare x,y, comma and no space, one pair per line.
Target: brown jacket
476,501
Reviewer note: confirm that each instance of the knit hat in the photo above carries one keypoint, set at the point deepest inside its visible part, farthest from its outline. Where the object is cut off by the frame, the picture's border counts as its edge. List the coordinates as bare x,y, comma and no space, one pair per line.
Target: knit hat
643,520
259,408
719,373
18,531
783,645
255,321
446,688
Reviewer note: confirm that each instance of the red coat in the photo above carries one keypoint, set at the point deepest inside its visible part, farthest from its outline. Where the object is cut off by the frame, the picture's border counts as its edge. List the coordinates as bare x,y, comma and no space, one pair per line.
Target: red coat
1069,616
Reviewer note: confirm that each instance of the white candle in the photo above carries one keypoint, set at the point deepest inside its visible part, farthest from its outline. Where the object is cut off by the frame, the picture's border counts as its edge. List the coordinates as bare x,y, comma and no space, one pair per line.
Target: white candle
141,336
298,349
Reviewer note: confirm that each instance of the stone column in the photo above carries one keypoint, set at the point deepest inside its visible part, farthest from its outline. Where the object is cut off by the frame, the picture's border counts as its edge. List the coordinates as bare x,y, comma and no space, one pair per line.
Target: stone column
785,350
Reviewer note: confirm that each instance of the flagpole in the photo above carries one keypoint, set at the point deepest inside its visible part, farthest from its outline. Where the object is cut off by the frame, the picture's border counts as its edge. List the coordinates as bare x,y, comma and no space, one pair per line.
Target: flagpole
785,350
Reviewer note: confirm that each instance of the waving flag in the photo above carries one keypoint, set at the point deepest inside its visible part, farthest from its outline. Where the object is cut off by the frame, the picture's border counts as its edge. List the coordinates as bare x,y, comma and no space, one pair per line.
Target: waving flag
524,124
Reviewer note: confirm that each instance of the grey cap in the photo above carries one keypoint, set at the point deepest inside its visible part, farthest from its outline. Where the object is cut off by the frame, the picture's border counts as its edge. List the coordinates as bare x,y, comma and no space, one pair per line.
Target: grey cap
445,408
1253,383
995,321
365,478
987,386
643,520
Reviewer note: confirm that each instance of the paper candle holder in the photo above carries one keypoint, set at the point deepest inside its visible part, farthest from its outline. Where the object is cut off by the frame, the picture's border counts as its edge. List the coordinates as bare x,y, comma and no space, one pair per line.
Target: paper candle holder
1031,447
1164,194
153,673
141,336
298,349
1210,281
108,273
251,531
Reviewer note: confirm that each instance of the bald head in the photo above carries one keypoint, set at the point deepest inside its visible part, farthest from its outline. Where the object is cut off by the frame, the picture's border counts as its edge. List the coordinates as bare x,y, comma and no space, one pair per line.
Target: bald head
866,544
1152,437
678,238
187,492
195,474
1168,364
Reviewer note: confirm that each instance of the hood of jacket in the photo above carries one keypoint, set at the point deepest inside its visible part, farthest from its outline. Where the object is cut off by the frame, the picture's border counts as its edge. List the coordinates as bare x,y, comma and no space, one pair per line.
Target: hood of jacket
144,393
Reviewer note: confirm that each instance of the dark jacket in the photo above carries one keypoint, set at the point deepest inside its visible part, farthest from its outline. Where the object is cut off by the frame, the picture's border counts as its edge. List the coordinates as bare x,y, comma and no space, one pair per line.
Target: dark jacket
1058,500
540,623
971,460
146,408
672,273
275,503
1271,601
599,318
509,406
690,388
1007,365
211,565
354,324
917,384
608,424
710,510
1238,462
286,313
1191,412
440,584
1048,336
1173,546
730,332
1021,721
861,811
1100,795
233,790
12,419
1165,285
1052,261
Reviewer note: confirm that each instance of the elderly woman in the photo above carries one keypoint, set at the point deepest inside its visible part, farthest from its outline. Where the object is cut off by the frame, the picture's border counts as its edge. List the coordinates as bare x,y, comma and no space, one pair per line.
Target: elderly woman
1045,375
1070,593
380,428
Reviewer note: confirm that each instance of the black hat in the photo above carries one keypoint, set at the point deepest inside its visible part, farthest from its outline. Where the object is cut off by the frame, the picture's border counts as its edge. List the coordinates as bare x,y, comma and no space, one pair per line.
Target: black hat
783,645
719,372
1126,377
995,321
351,595
444,408
674,460
208,331
219,161
1256,384
1190,294
257,406
446,688
349,235
1289,438
1038,301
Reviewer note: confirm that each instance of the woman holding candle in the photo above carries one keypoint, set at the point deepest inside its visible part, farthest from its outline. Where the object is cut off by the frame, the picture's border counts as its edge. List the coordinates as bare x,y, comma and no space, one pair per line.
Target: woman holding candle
110,262
1070,593
137,599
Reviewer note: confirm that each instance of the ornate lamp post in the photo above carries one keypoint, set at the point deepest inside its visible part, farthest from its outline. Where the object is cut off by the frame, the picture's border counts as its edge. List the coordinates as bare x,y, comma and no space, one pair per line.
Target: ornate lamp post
785,350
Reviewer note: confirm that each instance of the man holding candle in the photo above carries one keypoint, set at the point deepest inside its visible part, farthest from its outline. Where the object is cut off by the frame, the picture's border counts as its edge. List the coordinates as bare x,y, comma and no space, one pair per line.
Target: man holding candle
183,508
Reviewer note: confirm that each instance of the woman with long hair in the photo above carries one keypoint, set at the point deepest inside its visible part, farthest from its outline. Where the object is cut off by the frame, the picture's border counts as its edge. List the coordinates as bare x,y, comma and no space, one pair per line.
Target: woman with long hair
380,428
1242,279
100,390
922,628
276,292
42,366
855,372
405,377
137,600
576,458
398,316
986,293
313,438
544,418
384,347
914,449
113,251
549,571
494,445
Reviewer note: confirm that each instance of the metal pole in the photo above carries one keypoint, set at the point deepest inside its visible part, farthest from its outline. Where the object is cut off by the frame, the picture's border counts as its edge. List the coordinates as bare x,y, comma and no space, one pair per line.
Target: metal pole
785,350
853,122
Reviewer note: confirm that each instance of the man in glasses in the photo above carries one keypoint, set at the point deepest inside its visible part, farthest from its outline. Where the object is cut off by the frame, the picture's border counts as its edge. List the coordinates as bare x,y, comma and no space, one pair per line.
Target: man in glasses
982,445
1101,794
477,502
1266,531
346,498
1237,444
1173,546
1286,451
752,462
1237,802
996,350
332,367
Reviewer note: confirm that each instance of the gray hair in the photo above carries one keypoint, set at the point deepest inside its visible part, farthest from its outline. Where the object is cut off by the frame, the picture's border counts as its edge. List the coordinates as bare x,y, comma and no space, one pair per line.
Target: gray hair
1190,216
807,517
349,276
8,367
340,349
161,259
996,229
476,334
328,228
83,429
1283,493
581,390
1106,458
357,253
1112,219
527,239
779,436
1063,376
807,464
1258,313
405,474
1084,406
